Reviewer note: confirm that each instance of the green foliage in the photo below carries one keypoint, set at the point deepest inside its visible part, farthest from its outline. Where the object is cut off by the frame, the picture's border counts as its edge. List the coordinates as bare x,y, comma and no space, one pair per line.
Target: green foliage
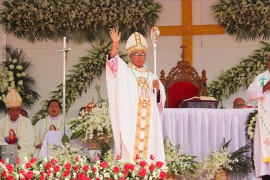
78,20
14,75
243,74
244,19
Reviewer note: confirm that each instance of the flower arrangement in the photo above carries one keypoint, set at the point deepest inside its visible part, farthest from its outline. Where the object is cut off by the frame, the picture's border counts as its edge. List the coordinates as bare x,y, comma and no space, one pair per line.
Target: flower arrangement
80,77
237,164
243,74
14,75
94,121
177,162
79,21
81,168
244,19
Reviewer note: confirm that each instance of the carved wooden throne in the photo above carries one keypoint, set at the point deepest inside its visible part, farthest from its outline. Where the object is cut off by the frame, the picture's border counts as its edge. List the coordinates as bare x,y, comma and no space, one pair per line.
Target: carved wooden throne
183,81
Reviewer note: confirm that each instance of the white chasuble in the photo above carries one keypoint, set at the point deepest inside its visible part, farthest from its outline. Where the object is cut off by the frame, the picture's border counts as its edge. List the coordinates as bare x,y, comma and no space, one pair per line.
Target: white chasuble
42,127
136,126
22,130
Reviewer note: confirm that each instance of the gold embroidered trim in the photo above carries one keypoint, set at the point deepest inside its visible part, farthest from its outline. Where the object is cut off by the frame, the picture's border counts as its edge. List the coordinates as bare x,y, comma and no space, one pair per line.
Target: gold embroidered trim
132,66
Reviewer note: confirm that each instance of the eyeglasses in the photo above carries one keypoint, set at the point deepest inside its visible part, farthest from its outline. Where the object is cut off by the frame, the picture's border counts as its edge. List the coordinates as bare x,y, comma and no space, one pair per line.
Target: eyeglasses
139,55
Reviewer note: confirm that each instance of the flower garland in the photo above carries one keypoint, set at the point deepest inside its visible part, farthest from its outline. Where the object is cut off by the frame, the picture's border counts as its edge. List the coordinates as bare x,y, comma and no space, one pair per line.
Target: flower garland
243,74
244,19
79,21
83,73
14,75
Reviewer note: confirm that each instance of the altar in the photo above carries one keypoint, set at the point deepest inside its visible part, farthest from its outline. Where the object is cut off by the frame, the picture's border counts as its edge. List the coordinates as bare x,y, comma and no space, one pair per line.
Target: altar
202,130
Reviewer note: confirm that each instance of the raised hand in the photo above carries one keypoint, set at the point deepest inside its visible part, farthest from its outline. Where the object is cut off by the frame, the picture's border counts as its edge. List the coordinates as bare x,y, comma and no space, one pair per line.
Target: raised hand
115,35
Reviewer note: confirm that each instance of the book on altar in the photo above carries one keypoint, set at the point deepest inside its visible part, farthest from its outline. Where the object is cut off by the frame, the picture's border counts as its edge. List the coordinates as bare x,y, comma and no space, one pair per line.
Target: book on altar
201,98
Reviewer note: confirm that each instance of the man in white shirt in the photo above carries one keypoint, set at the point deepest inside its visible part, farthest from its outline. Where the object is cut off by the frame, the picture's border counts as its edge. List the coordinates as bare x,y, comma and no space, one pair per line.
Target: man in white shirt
15,128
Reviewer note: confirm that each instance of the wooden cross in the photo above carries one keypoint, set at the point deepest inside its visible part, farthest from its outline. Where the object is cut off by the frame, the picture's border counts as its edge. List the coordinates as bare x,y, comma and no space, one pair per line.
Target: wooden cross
187,30
183,52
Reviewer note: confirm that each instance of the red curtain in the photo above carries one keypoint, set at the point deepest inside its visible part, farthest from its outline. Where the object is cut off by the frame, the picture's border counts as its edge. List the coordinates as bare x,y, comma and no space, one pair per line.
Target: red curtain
181,90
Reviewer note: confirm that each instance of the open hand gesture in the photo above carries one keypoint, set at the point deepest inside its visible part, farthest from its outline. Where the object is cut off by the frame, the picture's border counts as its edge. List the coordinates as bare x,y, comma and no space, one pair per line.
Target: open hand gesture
115,35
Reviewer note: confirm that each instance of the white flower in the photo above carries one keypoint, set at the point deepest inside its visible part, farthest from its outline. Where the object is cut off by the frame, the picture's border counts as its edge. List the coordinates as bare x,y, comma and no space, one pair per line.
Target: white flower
14,61
23,74
19,75
20,82
11,78
19,67
11,66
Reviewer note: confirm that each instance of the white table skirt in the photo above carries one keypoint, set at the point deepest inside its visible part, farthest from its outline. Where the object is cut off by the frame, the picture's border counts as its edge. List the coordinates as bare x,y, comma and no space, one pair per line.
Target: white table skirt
203,130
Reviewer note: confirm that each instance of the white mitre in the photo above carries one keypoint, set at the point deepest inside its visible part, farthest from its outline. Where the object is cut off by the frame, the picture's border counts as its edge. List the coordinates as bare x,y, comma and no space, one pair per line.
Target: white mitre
136,42
13,99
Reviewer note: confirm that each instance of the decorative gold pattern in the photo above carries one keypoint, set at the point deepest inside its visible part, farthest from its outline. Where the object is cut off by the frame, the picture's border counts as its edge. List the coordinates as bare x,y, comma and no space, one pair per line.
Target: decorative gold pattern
138,45
143,118
132,66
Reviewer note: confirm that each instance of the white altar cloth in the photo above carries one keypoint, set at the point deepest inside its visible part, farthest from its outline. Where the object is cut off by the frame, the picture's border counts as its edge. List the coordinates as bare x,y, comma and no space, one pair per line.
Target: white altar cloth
202,130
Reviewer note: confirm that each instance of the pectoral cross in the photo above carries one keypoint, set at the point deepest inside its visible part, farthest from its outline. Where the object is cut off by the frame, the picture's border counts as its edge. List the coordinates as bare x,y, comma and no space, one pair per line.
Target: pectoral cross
262,79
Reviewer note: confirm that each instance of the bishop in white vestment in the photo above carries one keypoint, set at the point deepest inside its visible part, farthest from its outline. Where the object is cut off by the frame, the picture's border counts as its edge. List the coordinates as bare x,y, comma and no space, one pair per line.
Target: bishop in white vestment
260,90
134,106
15,128
52,122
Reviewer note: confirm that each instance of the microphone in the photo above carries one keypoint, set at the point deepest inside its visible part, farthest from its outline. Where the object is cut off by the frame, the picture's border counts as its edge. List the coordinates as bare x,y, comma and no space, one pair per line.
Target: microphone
66,49
204,84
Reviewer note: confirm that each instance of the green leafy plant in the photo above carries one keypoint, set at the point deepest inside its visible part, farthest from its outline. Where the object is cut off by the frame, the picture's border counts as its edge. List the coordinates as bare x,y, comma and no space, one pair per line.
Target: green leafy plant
79,21
14,75
244,19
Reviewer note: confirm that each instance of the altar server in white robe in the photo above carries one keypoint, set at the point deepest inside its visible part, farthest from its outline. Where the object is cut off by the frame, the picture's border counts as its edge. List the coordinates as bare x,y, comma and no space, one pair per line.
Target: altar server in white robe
15,128
52,122
136,126
260,90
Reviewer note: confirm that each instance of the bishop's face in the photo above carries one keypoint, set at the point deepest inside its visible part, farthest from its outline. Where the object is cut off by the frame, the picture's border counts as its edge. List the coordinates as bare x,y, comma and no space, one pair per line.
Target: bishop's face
138,58
54,109
14,113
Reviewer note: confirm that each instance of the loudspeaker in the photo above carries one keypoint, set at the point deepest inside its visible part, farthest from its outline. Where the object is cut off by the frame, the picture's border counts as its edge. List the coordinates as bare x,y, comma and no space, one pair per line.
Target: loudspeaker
9,153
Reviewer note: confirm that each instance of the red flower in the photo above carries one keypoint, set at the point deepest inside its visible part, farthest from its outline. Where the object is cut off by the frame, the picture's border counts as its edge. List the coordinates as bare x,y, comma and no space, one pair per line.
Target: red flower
33,160
159,164
48,166
2,161
18,160
137,156
41,173
126,172
118,157
94,170
10,178
56,168
10,168
116,169
151,167
29,174
143,163
103,164
53,161
152,157
4,174
66,173
142,172
67,166
41,177
85,168
97,178
81,176
162,175
77,158
121,179
76,168
28,165
132,167
21,172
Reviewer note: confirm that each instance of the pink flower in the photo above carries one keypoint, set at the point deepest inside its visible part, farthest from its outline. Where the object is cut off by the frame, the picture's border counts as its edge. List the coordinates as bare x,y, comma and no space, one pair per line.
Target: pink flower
29,174
67,166
85,168
116,169
66,173
121,179
152,167
33,160
96,158
53,161
10,168
76,168
103,164
94,170
152,157
126,172
56,168
118,157
142,172
77,158
137,156
159,164
162,175
143,163
18,160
